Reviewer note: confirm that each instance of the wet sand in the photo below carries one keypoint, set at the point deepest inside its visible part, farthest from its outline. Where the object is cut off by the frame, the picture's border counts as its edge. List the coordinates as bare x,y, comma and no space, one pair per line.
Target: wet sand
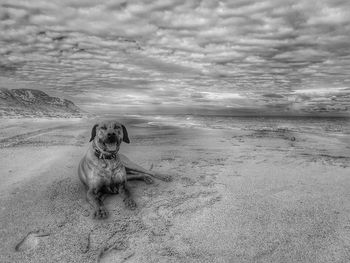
237,196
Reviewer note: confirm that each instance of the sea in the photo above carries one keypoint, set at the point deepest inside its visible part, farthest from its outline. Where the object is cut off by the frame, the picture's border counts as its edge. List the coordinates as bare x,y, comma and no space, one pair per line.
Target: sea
318,125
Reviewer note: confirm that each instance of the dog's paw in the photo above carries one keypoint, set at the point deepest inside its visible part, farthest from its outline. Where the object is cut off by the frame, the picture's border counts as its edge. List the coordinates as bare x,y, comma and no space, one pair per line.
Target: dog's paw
101,213
130,204
148,180
168,178
165,178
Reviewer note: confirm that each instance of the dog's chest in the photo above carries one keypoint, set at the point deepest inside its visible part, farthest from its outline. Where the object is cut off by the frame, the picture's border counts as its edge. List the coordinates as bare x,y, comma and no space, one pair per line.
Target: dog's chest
113,171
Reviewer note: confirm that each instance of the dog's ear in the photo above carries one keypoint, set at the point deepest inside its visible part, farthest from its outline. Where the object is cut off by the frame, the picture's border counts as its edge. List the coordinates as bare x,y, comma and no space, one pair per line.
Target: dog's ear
125,135
93,132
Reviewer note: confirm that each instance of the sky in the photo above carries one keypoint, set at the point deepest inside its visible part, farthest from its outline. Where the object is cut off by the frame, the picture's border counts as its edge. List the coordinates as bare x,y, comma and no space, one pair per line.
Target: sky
182,56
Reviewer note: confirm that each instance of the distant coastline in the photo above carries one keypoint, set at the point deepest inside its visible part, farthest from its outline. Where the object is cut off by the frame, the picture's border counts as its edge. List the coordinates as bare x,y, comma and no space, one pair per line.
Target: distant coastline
32,103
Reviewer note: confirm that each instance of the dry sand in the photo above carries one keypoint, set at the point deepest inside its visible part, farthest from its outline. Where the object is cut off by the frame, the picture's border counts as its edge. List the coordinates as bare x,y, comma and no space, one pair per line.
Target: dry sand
236,196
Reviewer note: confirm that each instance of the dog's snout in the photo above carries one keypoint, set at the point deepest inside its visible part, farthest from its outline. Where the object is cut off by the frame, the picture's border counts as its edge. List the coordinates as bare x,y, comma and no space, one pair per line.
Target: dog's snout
110,135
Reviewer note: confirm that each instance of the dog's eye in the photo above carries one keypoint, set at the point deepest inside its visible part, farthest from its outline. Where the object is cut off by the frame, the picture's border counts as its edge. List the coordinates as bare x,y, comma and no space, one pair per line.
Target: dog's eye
104,128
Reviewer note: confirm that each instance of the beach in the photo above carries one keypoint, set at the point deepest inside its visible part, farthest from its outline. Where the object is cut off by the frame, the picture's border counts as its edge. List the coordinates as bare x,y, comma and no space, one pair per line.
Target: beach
242,190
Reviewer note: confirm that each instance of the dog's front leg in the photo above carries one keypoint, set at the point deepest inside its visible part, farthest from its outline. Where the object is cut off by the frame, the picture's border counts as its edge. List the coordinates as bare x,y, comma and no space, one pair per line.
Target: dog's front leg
128,201
94,197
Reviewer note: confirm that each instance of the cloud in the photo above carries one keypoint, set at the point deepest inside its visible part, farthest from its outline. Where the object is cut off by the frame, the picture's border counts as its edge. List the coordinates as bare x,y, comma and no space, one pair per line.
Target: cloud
273,95
193,52
323,91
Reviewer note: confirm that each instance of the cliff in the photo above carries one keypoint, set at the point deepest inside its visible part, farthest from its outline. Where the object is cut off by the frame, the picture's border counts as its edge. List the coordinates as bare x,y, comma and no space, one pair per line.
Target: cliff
35,103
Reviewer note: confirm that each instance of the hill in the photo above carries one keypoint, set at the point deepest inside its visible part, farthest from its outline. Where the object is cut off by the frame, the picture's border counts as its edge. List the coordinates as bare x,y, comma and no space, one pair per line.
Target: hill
35,103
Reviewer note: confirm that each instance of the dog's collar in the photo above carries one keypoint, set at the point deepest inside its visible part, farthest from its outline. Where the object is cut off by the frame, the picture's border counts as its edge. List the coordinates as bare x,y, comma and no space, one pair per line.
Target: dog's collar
100,154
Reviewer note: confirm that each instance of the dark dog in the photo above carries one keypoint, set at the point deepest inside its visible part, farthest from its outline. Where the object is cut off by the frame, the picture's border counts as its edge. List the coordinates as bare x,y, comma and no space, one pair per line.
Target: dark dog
104,171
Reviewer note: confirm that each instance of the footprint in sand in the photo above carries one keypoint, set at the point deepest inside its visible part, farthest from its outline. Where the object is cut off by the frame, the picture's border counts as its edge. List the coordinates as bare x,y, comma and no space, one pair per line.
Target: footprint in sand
31,240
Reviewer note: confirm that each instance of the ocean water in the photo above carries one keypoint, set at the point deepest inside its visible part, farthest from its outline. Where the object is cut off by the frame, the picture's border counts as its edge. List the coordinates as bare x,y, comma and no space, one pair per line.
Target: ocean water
336,126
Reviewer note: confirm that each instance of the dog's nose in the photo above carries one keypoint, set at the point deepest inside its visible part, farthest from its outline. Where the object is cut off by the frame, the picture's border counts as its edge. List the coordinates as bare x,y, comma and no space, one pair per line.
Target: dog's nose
110,135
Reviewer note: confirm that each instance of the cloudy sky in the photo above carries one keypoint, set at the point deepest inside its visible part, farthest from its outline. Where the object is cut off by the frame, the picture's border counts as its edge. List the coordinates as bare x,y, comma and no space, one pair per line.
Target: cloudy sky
273,56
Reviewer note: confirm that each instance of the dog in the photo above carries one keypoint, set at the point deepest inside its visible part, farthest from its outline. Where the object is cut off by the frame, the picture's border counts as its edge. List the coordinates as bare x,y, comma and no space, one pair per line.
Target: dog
104,171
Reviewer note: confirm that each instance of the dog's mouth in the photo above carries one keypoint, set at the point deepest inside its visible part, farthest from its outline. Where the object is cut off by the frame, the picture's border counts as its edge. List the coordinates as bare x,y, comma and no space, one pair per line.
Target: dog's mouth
109,145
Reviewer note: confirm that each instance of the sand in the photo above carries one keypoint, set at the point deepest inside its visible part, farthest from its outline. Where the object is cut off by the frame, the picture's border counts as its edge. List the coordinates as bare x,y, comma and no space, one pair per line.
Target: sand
237,196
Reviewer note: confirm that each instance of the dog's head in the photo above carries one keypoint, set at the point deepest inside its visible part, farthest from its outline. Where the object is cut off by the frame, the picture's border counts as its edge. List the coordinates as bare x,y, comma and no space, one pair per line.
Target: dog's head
109,135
